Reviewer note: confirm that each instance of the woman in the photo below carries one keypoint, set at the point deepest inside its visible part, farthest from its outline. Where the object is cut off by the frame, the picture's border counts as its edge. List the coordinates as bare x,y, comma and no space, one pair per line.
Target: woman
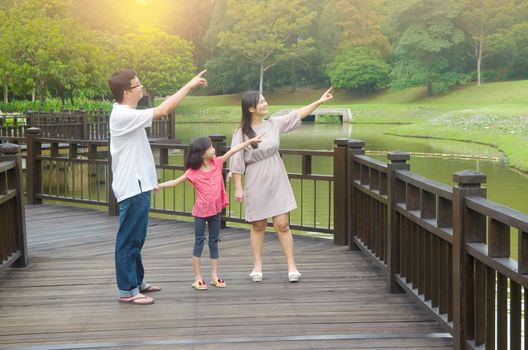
267,191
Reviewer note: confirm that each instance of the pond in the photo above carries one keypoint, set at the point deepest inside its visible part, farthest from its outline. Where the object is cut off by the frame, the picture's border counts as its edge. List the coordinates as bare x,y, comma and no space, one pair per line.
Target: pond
438,159
434,159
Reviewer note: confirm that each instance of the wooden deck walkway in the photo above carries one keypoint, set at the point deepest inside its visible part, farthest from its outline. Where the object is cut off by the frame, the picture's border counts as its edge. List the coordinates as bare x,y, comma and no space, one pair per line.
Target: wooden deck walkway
66,297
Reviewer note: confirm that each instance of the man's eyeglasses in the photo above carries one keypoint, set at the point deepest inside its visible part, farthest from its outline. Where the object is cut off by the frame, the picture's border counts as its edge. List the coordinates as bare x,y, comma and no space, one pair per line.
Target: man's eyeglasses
133,87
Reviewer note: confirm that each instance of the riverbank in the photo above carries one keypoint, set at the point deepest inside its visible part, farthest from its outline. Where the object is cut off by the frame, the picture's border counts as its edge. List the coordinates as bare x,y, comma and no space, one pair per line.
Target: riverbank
494,114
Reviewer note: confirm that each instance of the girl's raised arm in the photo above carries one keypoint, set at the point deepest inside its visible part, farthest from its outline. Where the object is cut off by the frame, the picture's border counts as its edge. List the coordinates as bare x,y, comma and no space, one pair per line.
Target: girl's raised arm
241,146
172,183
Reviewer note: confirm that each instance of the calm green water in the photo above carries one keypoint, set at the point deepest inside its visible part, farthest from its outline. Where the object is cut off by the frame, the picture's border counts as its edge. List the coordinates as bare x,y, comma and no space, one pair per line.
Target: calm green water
505,186
314,199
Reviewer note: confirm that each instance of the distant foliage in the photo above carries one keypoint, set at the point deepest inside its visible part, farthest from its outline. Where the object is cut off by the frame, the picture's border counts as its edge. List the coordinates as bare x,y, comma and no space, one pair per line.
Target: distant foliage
66,49
425,32
266,33
54,104
226,74
359,68
162,61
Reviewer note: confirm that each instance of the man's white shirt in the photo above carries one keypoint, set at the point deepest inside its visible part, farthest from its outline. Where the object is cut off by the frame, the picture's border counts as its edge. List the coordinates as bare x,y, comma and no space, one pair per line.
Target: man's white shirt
132,159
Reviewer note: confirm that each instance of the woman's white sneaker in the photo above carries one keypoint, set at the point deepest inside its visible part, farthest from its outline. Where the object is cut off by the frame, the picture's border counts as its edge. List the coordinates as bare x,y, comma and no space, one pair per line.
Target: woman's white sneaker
294,276
256,276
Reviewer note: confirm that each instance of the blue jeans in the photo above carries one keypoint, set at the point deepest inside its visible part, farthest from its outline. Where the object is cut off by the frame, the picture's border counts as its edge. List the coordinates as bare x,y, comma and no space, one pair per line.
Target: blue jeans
213,222
133,220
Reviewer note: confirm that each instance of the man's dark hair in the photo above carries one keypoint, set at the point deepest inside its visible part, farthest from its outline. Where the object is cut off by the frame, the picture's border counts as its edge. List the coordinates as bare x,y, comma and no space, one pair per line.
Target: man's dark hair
119,82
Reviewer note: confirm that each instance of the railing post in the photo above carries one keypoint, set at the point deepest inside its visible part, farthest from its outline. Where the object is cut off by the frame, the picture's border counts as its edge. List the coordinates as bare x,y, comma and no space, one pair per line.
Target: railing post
29,118
12,152
219,143
33,169
84,124
172,126
113,206
468,184
397,161
355,147
340,193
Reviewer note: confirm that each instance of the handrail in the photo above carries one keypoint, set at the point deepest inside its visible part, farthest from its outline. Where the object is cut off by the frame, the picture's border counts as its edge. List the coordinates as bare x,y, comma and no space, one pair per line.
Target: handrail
78,124
448,247
75,170
13,246
508,216
424,183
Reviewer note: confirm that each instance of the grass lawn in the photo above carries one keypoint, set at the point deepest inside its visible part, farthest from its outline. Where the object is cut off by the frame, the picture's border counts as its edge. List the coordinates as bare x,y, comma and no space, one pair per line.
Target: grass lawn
495,114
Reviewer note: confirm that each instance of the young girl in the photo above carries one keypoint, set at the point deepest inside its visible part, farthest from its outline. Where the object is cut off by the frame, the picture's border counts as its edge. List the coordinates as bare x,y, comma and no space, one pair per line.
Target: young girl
204,171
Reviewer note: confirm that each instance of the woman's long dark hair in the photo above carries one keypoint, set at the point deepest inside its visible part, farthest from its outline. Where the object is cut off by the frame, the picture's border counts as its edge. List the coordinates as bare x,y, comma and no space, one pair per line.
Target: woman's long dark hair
196,151
249,99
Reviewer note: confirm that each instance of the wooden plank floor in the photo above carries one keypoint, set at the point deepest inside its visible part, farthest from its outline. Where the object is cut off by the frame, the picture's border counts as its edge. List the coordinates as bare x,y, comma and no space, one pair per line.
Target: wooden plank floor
66,297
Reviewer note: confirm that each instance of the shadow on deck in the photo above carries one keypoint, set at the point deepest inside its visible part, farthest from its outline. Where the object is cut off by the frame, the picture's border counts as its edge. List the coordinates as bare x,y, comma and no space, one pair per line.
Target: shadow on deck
66,297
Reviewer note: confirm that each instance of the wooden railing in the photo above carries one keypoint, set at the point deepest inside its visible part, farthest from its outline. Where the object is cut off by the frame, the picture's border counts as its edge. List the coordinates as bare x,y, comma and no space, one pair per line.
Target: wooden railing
79,171
13,247
76,171
308,186
448,247
492,287
73,125
12,127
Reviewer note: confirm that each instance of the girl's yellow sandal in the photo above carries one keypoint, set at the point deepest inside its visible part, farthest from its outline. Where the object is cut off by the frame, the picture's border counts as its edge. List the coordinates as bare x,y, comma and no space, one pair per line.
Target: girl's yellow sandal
200,285
218,283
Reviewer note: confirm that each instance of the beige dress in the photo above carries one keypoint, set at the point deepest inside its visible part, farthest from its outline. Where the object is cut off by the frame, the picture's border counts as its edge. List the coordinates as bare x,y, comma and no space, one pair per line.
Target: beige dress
267,189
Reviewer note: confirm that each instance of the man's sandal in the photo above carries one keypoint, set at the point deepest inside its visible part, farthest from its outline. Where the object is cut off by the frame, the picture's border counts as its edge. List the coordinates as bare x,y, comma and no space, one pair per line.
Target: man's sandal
150,289
200,285
138,299
218,283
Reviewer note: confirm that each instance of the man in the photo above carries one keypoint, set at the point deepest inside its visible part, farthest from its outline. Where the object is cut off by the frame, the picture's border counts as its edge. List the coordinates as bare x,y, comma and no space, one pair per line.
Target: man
135,177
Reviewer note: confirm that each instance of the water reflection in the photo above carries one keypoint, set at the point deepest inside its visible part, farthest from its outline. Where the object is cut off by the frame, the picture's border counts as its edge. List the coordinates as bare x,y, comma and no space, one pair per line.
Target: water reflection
505,185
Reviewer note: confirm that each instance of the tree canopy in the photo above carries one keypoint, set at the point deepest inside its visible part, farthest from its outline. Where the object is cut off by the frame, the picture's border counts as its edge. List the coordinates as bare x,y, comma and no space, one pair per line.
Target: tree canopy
267,32
359,68
68,48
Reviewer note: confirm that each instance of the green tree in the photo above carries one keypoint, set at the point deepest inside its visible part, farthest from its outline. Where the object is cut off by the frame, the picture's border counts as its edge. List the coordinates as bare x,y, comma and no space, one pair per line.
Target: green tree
55,54
81,62
17,22
192,23
423,33
362,23
360,68
46,51
508,50
482,18
33,51
163,61
267,32
6,63
329,32
226,75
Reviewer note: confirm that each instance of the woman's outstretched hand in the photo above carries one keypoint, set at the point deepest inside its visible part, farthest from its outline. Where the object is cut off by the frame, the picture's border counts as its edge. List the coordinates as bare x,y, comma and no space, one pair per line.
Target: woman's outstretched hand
306,110
327,96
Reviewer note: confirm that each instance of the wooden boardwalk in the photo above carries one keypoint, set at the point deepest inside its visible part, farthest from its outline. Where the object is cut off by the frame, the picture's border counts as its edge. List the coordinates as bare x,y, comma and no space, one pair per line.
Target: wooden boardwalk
66,297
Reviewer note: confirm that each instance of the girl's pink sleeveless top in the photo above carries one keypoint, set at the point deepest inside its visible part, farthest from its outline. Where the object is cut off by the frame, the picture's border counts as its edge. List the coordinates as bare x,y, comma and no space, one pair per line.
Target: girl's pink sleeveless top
210,189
